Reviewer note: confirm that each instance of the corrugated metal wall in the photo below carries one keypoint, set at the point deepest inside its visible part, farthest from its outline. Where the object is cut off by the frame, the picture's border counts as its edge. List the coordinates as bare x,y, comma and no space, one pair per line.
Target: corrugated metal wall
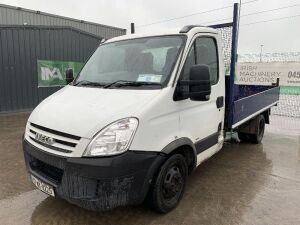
15,15
21,46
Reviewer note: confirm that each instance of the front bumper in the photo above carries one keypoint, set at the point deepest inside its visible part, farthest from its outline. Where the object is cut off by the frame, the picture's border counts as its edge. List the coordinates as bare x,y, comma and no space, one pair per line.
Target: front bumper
95,183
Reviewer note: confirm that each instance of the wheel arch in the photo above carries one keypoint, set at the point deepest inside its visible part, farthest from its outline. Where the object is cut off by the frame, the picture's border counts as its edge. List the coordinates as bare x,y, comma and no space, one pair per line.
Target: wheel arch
186,147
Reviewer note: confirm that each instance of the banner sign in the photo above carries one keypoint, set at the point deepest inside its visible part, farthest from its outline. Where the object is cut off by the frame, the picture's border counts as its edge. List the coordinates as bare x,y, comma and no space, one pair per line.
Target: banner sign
53,73
267,73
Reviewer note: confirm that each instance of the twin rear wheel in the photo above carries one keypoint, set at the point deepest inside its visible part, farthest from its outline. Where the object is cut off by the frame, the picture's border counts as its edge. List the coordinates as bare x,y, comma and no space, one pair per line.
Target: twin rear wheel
259,130
169,184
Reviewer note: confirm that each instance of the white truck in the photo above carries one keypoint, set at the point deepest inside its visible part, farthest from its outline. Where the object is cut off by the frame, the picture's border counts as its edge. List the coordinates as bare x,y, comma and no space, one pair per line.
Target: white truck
142,114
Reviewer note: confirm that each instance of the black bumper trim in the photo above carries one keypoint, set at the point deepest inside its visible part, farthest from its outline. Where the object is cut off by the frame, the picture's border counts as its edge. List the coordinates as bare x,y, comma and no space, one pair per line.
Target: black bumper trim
96,183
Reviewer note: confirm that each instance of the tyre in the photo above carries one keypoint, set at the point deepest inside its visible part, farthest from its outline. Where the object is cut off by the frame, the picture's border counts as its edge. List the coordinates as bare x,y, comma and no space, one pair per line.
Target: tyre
244,137
169,185
259,130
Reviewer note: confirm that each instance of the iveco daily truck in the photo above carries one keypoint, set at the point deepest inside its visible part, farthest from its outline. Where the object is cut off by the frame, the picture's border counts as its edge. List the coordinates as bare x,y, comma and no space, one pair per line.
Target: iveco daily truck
142,114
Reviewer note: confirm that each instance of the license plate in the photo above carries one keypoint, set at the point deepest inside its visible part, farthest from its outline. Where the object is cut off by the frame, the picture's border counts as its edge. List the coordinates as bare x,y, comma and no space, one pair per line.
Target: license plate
46,188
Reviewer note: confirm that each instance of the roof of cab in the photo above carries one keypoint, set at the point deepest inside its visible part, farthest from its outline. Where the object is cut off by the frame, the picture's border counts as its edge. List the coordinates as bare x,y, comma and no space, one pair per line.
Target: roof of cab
187,29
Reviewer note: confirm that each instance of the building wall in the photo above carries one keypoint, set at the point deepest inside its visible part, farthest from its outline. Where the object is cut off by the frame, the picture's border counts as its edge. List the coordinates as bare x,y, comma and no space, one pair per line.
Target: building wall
46,37
22,46
18,16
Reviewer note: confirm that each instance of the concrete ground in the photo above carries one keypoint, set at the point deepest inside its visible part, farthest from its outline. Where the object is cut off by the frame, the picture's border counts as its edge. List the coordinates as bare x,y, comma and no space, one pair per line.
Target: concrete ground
242,184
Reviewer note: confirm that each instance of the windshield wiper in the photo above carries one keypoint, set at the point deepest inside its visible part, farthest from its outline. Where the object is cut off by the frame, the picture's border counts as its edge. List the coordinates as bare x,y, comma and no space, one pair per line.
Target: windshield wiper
122,83
88,83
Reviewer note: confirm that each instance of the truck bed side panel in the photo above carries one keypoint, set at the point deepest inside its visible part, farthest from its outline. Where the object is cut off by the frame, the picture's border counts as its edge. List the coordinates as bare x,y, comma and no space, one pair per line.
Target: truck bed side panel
248,101
248,107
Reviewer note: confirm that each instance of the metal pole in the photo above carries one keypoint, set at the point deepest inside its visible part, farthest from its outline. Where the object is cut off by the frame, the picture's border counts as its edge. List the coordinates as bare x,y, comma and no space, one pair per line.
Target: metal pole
132,28
234,44
261,48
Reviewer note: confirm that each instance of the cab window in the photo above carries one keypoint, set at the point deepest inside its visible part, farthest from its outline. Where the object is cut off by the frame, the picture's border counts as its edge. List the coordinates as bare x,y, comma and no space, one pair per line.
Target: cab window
204,51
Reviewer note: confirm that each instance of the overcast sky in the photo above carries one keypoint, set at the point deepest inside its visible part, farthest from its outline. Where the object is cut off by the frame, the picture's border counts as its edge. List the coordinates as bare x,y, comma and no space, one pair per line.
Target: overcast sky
276,36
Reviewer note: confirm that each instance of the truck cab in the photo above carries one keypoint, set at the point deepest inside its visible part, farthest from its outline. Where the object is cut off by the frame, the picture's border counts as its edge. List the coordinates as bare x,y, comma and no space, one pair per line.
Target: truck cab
144,112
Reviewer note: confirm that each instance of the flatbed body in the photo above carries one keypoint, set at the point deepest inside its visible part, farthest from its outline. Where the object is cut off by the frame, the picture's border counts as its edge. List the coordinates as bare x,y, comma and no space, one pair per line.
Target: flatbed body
248,101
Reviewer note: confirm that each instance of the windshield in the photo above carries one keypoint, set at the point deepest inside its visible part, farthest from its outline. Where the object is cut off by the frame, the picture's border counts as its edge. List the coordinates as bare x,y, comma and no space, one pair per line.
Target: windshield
145,60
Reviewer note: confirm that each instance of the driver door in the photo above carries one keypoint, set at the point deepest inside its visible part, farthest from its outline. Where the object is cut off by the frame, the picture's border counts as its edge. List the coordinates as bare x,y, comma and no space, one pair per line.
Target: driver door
202,121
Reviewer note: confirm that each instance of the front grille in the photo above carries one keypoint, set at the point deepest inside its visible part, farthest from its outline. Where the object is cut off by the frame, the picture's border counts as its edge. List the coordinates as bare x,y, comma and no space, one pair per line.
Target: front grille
62,142
55,132
51,147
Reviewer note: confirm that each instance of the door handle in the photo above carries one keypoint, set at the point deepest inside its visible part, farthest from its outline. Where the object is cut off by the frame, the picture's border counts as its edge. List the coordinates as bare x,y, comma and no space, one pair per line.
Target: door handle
220,102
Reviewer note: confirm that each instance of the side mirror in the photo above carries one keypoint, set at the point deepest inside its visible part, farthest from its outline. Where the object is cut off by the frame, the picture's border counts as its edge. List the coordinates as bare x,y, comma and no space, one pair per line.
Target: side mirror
198,87
69,76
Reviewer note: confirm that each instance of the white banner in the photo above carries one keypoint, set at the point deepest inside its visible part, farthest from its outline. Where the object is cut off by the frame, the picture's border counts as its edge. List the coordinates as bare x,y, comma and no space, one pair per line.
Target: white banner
267,73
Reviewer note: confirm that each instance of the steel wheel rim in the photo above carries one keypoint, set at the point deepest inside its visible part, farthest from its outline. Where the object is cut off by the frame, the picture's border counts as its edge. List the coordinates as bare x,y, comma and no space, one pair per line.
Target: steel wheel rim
172,184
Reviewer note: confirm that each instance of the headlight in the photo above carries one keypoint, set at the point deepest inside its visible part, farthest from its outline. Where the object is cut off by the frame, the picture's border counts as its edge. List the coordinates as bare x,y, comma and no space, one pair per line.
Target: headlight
113,139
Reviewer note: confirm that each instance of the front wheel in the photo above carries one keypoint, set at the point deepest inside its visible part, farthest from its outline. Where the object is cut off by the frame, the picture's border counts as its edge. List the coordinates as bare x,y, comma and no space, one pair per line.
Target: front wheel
169,184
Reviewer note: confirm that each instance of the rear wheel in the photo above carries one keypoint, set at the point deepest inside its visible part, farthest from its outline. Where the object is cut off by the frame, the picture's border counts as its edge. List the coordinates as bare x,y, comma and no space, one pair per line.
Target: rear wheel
257,137
169,184
244,137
